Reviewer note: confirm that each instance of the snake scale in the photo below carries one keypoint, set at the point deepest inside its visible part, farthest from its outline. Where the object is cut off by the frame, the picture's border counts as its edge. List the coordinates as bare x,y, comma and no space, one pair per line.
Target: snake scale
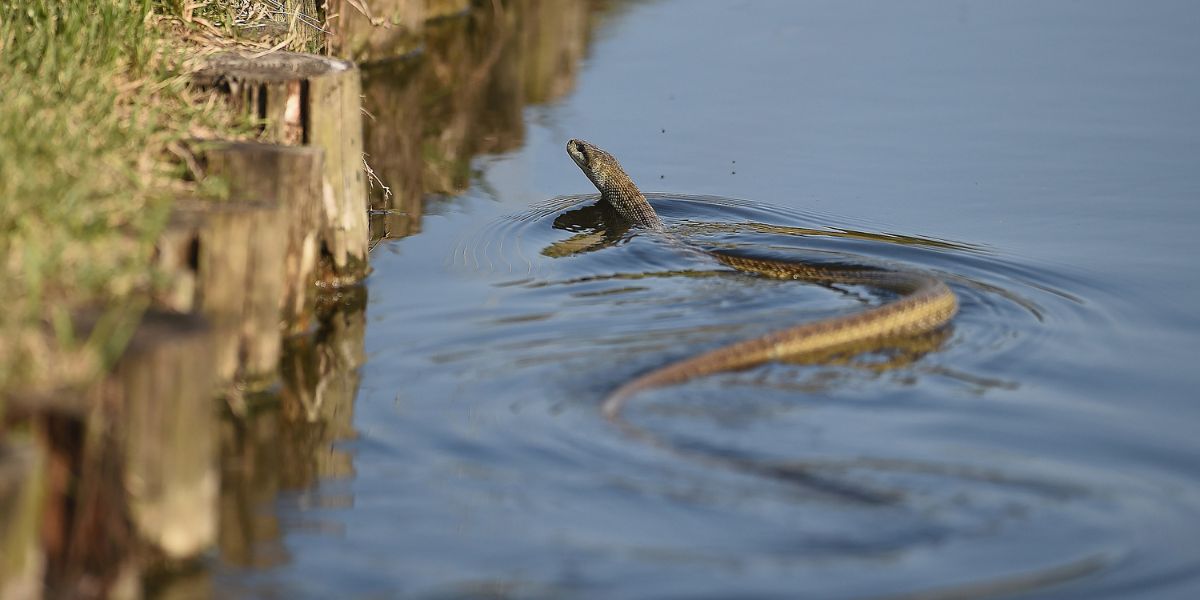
924,303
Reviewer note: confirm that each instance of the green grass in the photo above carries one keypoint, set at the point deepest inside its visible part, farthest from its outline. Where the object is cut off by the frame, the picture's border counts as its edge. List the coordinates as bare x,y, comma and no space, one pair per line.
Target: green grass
92,95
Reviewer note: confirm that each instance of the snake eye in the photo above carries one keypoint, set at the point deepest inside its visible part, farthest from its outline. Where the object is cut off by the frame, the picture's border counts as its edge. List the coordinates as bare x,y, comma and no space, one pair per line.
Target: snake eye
582,151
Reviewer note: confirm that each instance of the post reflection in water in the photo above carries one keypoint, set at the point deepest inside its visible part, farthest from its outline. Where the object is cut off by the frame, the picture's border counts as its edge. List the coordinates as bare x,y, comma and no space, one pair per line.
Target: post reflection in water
462,95
284,442
288,442
429,112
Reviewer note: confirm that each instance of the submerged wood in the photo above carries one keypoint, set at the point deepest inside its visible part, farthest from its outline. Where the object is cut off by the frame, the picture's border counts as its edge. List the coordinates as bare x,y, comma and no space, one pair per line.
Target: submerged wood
305,99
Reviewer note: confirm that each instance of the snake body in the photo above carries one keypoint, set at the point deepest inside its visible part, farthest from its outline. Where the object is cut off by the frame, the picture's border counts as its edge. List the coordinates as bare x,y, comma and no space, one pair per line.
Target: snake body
924,302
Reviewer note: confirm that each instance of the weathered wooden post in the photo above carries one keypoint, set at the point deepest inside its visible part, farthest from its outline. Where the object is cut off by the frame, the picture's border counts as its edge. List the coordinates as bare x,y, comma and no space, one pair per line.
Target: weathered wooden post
231,256
310,100
125,469
290,177
159,405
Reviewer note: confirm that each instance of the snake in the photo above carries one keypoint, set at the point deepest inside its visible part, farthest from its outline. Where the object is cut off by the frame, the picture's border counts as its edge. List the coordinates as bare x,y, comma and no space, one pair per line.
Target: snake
923,303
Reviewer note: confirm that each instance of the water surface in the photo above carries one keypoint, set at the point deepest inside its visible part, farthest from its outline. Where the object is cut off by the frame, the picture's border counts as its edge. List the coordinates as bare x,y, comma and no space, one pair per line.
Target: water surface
1042,157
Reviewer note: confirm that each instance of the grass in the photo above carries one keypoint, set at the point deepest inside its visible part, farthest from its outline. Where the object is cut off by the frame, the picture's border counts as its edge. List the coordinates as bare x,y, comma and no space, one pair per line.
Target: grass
93,100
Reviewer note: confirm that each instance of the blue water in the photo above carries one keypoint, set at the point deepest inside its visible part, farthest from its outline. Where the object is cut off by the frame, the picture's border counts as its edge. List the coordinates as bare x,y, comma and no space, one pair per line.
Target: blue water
1042,157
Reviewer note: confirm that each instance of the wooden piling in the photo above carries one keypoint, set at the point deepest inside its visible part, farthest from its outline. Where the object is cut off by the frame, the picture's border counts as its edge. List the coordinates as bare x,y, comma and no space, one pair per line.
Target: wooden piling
310,100
231,256
129,464
249,262
159,405
290,177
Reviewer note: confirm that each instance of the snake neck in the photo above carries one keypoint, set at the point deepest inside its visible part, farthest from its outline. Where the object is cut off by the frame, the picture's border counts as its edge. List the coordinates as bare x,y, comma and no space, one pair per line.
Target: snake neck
631,204
615,186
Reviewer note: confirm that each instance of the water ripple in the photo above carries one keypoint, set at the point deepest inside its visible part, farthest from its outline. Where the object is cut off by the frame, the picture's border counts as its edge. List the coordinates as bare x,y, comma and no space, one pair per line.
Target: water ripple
933,432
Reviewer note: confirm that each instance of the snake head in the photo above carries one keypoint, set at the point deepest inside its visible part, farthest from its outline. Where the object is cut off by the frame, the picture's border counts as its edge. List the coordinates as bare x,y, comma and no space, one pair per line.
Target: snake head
594,162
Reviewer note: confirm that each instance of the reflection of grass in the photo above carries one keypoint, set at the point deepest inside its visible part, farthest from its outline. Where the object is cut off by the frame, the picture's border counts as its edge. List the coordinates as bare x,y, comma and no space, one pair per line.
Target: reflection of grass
92,98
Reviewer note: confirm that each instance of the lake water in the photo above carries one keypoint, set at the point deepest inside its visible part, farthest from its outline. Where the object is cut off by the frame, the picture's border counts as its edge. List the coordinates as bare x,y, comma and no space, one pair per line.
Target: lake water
1043,157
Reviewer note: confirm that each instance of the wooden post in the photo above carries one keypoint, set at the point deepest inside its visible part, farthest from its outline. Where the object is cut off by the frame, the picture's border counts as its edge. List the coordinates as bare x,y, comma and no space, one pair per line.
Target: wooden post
290,177
249,263
22,481
306,32
129,465
313,100
231,258
160,408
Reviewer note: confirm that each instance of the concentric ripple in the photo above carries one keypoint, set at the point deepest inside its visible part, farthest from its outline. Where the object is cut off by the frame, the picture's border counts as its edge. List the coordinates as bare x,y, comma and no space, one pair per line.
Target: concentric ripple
940,433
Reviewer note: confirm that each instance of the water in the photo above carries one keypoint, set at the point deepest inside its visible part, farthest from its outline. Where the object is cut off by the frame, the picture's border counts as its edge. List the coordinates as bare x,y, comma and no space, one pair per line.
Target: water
1042,157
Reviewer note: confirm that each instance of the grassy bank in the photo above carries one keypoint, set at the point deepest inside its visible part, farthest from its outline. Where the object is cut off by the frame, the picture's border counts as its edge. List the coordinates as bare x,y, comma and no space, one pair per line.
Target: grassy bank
93,99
